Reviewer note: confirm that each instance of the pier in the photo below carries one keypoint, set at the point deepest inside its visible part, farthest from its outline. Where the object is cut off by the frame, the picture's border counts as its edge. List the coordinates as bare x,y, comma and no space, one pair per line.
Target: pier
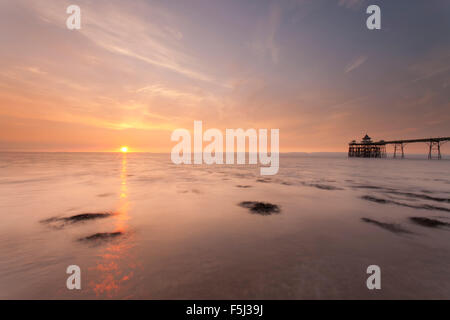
377,149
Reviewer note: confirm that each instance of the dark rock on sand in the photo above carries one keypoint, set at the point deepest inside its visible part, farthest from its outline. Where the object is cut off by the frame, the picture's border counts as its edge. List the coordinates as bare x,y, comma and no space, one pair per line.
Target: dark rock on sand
262,208
427,222
388,226
101,236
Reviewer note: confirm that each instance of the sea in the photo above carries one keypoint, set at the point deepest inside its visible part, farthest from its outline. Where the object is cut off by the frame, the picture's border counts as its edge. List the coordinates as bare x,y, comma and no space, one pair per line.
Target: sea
140,227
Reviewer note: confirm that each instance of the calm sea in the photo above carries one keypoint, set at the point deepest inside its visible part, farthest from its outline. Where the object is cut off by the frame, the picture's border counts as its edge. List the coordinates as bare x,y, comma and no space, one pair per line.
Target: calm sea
179,232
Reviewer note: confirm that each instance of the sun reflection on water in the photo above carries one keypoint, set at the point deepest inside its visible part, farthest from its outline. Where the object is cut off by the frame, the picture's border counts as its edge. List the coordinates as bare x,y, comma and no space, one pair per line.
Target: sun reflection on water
116,265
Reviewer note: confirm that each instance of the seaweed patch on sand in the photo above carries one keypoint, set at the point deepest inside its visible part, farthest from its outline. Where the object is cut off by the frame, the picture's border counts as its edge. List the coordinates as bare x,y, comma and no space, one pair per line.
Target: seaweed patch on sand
262,208
102,236
60,222
104,195
420,196
386,201
392,227
321,186
427,222
368,187
375,199
325,186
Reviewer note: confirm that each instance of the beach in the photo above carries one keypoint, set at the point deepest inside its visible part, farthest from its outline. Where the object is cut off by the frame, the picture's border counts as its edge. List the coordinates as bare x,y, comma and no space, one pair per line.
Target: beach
141,227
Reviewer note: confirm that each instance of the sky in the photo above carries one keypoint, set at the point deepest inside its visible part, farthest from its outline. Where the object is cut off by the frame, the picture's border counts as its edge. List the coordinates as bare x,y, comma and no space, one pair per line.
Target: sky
137,70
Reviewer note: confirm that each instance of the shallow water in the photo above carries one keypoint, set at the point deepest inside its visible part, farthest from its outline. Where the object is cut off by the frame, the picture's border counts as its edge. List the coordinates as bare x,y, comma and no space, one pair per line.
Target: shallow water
179,232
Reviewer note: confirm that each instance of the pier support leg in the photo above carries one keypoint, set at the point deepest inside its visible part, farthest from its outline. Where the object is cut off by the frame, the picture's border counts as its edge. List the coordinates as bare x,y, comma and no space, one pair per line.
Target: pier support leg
434,145
399,146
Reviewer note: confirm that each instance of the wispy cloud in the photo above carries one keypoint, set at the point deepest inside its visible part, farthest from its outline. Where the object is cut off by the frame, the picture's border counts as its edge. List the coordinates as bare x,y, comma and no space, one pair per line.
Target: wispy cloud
187,97
35,70
351,4
356,63
437,63
167,64
273,25
265,43
124,30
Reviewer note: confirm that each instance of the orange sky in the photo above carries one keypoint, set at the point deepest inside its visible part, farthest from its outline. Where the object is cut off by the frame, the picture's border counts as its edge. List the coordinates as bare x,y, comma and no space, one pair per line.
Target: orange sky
137,70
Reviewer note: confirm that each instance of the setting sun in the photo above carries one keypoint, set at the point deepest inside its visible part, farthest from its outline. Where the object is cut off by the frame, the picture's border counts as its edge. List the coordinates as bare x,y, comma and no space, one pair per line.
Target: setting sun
124,149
